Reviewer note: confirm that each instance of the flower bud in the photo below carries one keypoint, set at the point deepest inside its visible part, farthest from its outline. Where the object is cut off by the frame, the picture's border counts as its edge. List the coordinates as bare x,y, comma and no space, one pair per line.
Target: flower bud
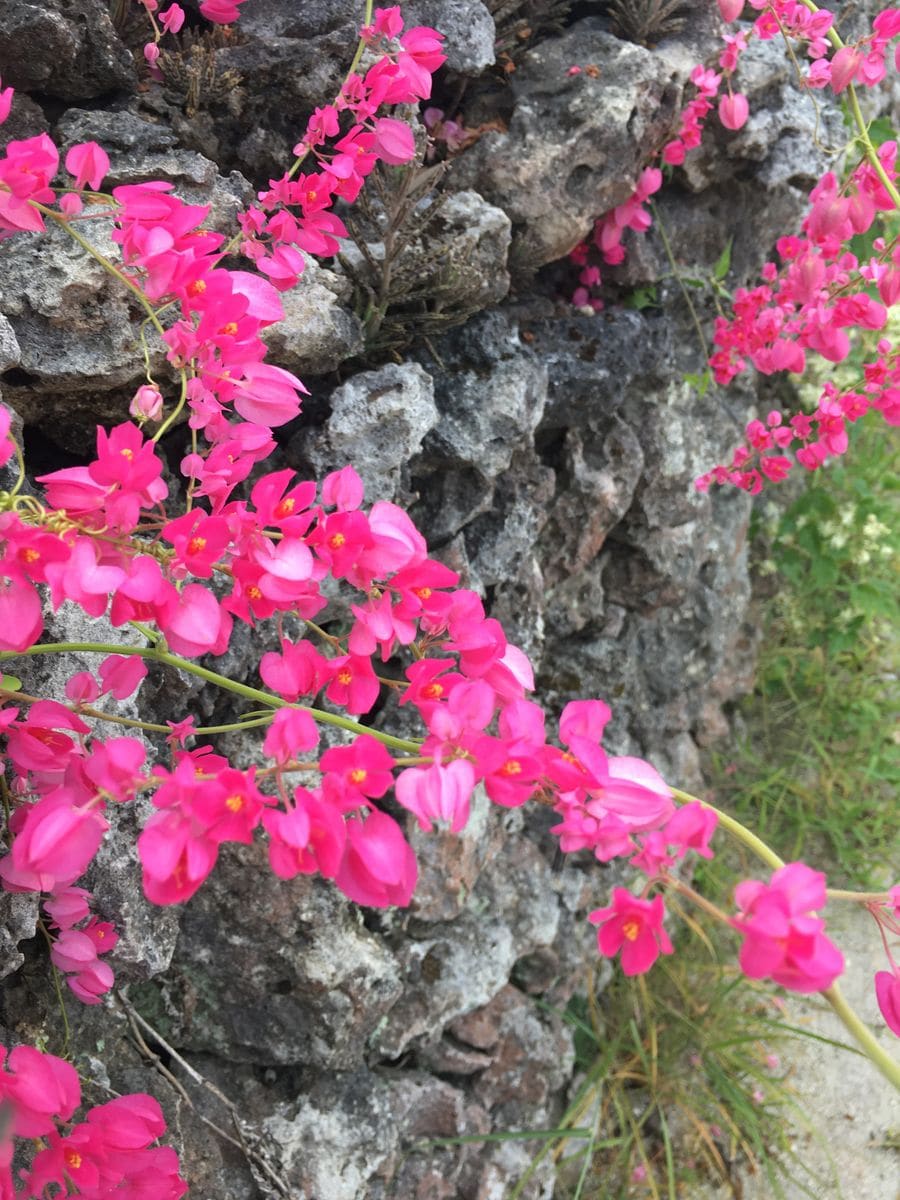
733,111
146,404
731,9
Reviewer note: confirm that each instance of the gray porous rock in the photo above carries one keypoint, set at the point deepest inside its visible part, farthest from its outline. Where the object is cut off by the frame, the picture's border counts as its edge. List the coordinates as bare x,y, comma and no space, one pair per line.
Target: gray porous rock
65,49
10,354
77,334
318,331
320,982
18,923
291,58
467,26
575,144
378,421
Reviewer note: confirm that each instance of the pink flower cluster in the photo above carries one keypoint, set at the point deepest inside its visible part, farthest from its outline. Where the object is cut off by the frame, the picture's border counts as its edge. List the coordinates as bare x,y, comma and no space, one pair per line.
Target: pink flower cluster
110,1153
609,229
634,924
783,939
635,927
607,237
822,291
295,214
76,951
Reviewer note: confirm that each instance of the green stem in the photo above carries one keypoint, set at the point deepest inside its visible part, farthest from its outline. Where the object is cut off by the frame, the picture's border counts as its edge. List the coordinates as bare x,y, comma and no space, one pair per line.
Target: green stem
20,462
153,654
176,411
858,897
889,1068
672,263
59,992
868,146
145,631
852,1023
101,258
736,829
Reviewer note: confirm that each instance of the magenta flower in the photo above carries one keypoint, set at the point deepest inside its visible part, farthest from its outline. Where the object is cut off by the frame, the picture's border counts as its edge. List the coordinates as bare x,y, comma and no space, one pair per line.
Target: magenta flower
40,1087
89,163
633,926
783,940
379,867
121,674
887,992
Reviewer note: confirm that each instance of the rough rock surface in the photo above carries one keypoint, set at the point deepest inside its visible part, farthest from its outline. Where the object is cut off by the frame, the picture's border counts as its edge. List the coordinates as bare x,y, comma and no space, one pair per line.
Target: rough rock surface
65,49
548,456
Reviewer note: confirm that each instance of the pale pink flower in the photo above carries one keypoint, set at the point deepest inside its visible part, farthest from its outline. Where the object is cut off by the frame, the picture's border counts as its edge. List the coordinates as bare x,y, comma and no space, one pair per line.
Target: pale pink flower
734,110
438,793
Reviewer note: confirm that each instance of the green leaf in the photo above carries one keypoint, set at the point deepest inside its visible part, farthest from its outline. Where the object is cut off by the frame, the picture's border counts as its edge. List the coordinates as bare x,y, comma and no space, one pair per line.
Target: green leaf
642,297
723,262
700,382
10,683
824,571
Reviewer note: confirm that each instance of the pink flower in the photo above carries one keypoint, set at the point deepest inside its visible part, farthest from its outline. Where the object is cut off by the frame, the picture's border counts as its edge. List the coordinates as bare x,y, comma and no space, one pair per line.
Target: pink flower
844,66
172,19
353,684
75,953
291,732
782,939
379,867
68,906
54,845
438,793
6,96
199,625
394,141
734,110
222,12
690,828
21,620
146,404
176,858
267,395
730,9
633,926
89,163
41,1087
114,766
121,674
887,992
584,718
308,837
359,771
300,670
